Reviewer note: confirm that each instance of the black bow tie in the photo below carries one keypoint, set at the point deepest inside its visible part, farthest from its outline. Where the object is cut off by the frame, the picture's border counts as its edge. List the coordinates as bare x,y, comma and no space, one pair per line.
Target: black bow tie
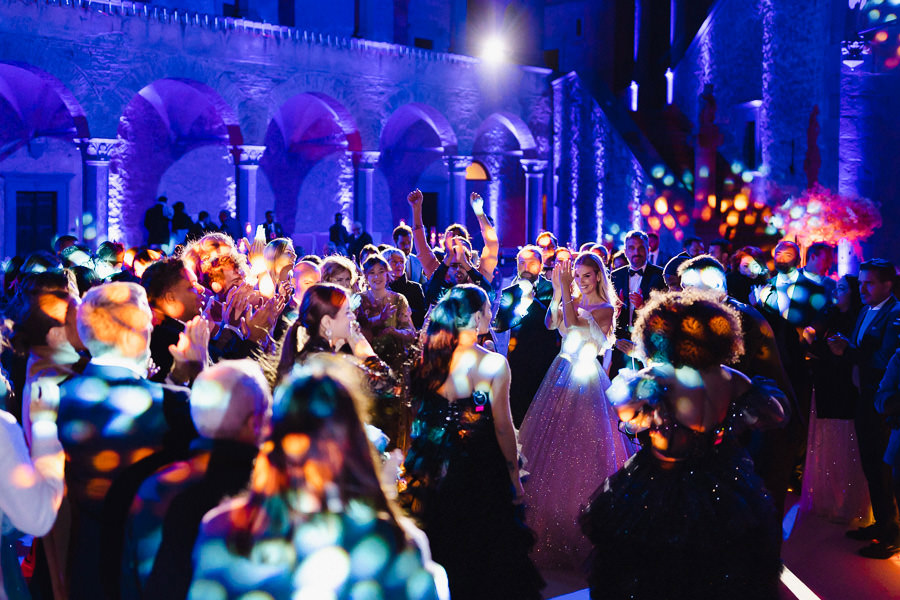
636,272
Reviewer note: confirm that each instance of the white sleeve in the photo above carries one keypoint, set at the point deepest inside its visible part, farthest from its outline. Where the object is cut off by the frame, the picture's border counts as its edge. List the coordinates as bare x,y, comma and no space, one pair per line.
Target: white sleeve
600,338
33,485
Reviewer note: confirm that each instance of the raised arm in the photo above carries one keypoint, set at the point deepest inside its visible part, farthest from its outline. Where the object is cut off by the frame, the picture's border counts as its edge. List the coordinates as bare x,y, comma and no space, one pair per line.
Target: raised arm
553,319
495,365
490,255
420,239
569,314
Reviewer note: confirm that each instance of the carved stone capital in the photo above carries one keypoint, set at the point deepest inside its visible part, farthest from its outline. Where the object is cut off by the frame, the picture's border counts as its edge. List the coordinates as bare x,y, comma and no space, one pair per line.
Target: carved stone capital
366,159
96,150
246,155
457,164
534,166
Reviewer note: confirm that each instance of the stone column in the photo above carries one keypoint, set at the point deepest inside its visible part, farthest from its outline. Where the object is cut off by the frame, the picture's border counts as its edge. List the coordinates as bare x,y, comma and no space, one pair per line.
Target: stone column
534,195
800,63
95,157
246,164
364,196
456,206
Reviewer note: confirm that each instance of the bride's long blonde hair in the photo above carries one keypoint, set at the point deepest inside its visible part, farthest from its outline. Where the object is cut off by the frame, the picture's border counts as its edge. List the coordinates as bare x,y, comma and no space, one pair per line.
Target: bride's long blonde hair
604,289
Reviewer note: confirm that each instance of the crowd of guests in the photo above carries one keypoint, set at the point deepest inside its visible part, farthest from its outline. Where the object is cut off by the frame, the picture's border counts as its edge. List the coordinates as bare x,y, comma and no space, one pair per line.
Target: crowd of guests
211,416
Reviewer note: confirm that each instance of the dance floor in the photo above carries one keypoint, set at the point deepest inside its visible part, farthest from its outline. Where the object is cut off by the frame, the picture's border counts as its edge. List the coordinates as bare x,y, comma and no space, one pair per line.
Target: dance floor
821,564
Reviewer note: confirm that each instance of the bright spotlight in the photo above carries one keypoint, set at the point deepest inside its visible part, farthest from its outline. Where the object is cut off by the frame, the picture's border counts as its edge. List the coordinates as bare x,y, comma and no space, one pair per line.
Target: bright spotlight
494,50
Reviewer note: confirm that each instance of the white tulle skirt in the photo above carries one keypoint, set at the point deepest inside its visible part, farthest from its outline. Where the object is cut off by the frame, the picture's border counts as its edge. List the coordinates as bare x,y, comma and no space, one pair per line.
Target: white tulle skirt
571,442
834,486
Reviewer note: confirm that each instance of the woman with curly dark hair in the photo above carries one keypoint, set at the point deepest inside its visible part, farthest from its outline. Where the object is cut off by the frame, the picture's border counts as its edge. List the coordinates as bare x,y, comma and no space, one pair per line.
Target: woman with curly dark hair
686,517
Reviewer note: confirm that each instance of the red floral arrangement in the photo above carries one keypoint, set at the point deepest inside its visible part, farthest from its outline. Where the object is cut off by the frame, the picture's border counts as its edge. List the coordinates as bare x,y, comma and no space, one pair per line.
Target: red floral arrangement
820,215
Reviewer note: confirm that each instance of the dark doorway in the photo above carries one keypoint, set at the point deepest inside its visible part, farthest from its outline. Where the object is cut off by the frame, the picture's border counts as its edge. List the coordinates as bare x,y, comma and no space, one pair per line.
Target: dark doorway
35,221
430,210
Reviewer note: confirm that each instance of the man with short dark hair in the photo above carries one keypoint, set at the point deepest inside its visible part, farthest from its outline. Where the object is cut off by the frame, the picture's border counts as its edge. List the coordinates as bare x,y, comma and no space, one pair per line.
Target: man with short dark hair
338,236
720,249
156,222
175,298
633,285
403,239
273,229
654,256
875,339
230,226
819,260
693,246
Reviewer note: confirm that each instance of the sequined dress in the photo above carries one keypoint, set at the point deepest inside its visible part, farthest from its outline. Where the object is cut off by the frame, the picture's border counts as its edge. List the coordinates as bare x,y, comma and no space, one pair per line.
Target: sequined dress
571,443
457,485
697,525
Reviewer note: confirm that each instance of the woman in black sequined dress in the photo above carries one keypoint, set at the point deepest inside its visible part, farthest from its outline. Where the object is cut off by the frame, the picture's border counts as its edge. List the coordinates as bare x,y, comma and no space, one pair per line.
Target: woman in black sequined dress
686,517
461,473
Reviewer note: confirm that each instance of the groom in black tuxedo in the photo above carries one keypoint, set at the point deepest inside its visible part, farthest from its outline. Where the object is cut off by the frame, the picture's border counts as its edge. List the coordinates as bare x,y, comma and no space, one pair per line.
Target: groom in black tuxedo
633,285
532,347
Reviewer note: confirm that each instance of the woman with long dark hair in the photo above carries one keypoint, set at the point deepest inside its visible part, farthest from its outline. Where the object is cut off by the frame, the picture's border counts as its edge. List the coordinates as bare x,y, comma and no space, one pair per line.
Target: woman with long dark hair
315,520
687,517
462,471
327,325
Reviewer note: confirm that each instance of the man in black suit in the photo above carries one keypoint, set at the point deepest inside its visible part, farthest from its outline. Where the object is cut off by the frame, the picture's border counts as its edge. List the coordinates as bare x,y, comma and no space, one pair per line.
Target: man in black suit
633,285
532,347
273,229
873,343
116,427
791,301
156,222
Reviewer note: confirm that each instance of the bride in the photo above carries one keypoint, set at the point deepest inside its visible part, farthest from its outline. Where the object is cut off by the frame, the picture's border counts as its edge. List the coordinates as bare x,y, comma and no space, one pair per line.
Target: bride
570,433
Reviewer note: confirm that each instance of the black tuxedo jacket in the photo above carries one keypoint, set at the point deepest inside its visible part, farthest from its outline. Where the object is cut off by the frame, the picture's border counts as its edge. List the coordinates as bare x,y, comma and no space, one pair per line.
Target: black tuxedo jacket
879,342
652,280
532,347
807,301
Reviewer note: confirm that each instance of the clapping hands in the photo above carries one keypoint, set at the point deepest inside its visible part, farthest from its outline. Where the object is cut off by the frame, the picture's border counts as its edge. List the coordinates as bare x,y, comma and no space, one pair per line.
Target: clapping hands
193,342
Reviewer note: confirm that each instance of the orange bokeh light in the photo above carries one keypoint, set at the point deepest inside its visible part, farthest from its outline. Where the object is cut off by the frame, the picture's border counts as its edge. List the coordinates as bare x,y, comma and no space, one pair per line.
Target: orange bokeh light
711,200
881,36
645,210
669,221
741,202
653,222
106,460
683,220
661,206
733,218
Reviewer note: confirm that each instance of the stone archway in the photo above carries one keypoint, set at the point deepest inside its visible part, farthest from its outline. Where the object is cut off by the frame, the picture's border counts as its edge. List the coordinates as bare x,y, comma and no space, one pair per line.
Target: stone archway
414,137
310,135
163,123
